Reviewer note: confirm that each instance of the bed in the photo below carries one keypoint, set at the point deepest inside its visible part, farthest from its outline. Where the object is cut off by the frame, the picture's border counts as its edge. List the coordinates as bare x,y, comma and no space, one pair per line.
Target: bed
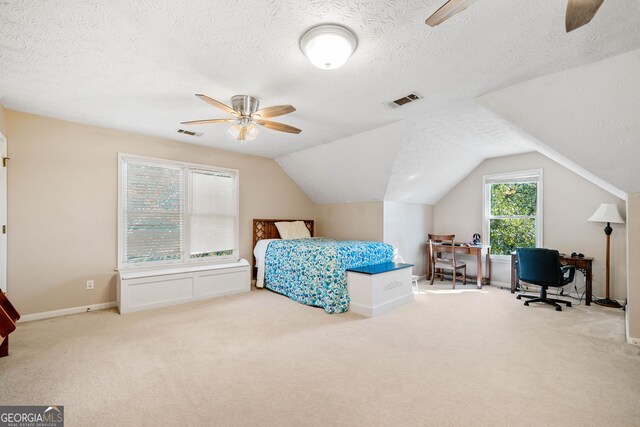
311,271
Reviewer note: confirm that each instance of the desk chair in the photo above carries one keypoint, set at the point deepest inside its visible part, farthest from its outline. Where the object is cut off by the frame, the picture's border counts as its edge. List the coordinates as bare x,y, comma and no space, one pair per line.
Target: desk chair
542,267
445,243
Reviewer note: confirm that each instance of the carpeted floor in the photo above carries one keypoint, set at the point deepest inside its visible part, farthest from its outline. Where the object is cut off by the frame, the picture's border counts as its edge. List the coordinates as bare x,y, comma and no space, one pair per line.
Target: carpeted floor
464,358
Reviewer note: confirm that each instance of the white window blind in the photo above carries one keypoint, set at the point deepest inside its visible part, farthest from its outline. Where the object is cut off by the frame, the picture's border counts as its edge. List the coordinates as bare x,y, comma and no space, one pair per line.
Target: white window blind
213,213
153,213
174,212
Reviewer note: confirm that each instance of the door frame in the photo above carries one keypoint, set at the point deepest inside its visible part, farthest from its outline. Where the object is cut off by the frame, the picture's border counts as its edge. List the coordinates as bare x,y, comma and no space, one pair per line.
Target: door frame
3,214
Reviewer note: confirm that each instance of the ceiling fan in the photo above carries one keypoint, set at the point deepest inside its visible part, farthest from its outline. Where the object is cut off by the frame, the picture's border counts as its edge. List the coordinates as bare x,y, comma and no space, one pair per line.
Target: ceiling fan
247,116
579,12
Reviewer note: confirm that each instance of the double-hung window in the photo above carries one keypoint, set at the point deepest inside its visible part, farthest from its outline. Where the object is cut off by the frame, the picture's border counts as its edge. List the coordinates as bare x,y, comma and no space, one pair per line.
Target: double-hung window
176,213
513,211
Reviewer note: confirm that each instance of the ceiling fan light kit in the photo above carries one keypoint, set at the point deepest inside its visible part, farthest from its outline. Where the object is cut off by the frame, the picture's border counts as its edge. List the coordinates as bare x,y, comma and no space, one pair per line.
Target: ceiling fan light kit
328,46
247,116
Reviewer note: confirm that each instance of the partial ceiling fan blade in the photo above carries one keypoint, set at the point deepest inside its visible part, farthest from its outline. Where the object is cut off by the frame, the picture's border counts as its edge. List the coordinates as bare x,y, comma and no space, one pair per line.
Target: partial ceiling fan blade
218,104
278,126
243,133
207,121
274,111
447,10
580,12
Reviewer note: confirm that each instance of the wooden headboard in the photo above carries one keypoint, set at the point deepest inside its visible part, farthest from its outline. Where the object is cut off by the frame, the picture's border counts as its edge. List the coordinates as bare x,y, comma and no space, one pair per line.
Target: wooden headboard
266,229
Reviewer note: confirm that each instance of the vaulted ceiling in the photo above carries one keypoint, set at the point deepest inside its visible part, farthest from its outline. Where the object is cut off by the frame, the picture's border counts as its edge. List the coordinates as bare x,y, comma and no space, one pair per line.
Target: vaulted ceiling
588,114
135,65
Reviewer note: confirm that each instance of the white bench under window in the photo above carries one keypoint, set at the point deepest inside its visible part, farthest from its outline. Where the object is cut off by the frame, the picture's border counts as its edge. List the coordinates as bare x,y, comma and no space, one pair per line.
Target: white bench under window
153,288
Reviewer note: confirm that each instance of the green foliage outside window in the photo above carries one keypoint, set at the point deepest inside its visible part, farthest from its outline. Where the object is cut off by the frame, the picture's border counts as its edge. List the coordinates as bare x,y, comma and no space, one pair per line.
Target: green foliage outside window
512,223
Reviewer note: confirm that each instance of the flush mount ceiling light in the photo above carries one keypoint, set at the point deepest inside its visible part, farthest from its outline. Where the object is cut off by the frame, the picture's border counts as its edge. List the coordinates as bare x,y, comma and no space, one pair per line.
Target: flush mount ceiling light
328,46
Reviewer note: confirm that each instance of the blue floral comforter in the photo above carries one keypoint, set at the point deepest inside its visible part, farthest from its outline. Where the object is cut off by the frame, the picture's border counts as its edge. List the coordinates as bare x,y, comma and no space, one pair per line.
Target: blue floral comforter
313,271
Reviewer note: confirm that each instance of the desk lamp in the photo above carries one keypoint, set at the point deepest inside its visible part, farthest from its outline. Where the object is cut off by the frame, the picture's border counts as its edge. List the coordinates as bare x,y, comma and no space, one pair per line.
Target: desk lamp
607,213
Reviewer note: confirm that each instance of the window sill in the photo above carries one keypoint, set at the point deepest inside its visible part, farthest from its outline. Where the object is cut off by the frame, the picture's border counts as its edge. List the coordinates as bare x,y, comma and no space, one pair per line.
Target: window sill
136,273
501,259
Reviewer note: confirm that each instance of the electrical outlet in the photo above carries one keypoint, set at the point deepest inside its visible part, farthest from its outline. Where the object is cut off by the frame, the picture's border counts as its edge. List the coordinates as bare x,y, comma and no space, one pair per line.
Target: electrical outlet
89,284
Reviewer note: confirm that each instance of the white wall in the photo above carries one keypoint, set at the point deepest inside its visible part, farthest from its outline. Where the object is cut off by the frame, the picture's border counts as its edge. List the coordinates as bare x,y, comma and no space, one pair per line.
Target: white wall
406,226
633,310
569,200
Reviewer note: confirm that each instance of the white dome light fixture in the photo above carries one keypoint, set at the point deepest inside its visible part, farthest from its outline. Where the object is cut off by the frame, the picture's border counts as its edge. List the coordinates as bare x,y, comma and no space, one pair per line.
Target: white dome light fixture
328,46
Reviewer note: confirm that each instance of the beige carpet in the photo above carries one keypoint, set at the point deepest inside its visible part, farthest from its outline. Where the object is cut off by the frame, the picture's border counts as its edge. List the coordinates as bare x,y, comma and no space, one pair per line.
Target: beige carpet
466,358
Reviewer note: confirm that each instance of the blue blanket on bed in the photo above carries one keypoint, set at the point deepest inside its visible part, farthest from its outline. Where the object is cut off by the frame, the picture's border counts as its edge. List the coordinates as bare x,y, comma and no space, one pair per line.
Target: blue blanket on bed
313,271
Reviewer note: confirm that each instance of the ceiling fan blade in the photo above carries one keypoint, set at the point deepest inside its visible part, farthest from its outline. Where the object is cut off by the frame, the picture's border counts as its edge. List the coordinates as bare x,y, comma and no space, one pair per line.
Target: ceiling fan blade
580,12
218,104
278,126
447,10
274,111
207,121
243,133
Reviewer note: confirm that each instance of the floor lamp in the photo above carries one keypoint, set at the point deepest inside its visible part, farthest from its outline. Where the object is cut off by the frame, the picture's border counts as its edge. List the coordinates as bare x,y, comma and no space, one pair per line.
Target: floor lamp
607,213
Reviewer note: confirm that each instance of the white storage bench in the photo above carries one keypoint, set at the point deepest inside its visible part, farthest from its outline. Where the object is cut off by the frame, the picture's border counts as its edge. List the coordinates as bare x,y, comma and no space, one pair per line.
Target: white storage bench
378,289
146,289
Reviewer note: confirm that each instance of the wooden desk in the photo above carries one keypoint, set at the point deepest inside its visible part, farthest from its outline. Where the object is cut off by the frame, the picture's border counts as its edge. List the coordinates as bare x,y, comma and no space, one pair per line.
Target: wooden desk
477,251
583,265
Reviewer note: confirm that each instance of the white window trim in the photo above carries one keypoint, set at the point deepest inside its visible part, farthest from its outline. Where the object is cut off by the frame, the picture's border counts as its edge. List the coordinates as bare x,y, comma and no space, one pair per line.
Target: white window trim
186,259
486,204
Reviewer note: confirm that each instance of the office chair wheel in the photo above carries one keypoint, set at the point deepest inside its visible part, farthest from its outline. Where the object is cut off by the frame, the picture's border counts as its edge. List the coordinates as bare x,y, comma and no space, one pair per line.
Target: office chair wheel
526,303
558,308
519,297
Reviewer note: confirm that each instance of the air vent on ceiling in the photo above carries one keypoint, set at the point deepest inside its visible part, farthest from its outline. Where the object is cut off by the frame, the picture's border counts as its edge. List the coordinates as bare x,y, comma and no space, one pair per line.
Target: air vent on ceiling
188,132
413,96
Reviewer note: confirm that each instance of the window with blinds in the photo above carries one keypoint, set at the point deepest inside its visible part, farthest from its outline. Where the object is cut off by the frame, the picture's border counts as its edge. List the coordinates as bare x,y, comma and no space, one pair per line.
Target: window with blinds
513,211
213,213
173,212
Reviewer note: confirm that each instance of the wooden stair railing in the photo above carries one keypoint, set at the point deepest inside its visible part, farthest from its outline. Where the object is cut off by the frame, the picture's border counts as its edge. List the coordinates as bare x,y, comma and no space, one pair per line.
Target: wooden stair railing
8,318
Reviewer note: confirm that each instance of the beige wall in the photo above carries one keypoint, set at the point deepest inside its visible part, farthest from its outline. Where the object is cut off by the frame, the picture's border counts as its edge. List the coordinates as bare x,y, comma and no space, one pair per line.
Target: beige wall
351,221
406,226
403,225
633,229
569,200
63,205
2,114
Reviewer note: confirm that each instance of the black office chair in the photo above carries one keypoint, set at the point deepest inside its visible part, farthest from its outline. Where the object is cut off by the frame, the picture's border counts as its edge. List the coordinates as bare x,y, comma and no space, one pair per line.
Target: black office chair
542,267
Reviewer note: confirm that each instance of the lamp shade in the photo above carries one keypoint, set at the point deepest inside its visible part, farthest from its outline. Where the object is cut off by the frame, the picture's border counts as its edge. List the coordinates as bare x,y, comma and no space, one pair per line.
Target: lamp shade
607,212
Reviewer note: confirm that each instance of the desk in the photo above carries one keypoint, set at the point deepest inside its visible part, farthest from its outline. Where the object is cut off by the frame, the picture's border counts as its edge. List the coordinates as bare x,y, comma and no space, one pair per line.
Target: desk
476,251
581,264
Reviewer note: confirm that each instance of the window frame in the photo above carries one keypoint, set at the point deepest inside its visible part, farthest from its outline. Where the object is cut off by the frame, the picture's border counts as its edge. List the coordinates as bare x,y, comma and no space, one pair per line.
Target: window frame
185,258
537,176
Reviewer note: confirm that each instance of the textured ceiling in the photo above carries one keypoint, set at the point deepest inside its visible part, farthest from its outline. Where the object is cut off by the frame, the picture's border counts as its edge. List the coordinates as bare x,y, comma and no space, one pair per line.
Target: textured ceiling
417,160
135,65
590,116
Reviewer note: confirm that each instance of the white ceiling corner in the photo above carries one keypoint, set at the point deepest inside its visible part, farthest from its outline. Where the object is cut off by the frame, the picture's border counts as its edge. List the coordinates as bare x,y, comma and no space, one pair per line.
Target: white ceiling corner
351,169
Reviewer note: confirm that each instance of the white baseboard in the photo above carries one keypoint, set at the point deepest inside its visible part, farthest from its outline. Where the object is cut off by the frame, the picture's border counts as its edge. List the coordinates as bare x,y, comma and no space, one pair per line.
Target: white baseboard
633,341
500,284
66,311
